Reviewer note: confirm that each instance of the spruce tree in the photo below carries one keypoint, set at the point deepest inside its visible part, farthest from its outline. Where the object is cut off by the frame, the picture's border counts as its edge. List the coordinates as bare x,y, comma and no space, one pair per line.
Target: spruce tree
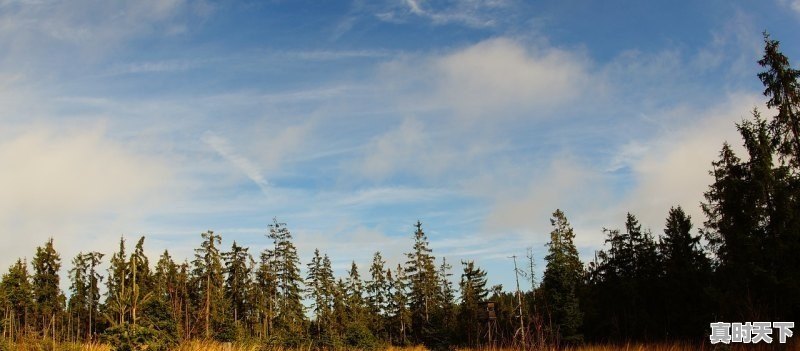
686,273
423,283
561,280
139,278
117,295
783,90
377,294
49,301
400,314
209,281
473,293
238,281
265,293
78,304
17,291
290,313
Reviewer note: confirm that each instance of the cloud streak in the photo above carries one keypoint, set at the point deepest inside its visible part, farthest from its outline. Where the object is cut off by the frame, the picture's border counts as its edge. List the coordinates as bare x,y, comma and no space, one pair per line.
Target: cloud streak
248,168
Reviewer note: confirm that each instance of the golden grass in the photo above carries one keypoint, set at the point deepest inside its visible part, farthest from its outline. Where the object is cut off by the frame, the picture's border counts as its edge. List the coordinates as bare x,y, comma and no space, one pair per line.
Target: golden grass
199,345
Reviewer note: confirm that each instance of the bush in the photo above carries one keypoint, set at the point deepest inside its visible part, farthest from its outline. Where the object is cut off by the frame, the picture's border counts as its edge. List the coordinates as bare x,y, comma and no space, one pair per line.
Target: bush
127,337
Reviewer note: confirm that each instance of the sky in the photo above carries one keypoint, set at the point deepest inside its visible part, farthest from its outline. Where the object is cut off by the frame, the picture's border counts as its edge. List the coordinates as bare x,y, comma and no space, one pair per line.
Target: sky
351,120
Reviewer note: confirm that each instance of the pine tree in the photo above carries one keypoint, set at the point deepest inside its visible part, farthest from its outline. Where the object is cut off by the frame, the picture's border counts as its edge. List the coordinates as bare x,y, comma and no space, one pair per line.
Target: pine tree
290,313
473,293
117,295
398,305
17,291
753,227
140,279
561,280
782,89
237,283
317,294
686,272
78,304
377,290
49,301
423,283
265,293
446,313
209,280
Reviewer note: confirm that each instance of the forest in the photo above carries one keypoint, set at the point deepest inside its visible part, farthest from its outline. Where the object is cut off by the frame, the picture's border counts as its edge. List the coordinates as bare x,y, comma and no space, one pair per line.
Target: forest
739,263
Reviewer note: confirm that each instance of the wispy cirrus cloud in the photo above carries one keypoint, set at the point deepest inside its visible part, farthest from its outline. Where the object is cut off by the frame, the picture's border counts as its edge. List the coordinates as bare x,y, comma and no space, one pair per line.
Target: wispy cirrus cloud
248,168
471,13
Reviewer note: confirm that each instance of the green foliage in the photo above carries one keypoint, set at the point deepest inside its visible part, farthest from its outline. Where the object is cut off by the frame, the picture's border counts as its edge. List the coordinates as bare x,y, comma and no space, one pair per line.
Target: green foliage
423,284
208,280
561,280
782,88
47,296
286,264
473,293
129,337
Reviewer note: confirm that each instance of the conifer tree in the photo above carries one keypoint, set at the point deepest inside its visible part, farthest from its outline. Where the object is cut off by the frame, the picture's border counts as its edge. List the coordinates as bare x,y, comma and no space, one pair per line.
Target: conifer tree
377,294
317,293
290,313
398,305
783,90
265,293
140,279
561,280
686,273
79,296
355,297
18,297
237,283
423,283
473,293
209,282
166,285
117,295
49,301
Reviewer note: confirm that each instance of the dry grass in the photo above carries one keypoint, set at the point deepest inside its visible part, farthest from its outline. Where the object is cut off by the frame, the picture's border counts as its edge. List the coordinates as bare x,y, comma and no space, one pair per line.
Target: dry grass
198,345
677,346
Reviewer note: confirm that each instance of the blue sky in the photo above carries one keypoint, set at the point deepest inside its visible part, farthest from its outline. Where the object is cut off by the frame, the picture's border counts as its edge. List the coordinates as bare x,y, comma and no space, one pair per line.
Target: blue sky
351,120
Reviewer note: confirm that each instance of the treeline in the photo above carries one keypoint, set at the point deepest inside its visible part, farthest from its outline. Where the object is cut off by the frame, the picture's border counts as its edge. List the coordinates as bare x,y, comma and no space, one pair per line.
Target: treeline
741,265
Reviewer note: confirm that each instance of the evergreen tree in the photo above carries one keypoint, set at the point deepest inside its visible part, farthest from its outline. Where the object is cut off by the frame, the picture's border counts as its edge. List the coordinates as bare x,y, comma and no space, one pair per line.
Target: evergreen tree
290,311
753,229
140,279
445,312
18,297
782,89
561,280
686,273
377,290
423,284
209,281
237,283
48,299
473,293
316,293
265,293
398,305
116,304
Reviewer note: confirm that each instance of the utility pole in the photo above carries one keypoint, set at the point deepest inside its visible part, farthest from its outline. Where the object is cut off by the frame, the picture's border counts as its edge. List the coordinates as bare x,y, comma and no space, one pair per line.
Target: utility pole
519,300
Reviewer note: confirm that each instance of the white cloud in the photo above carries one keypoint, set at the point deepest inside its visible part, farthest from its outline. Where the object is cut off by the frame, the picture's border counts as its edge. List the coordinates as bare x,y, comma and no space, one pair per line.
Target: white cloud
77,186
493,79
673,168
407,149
224,149
500,75
470,13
